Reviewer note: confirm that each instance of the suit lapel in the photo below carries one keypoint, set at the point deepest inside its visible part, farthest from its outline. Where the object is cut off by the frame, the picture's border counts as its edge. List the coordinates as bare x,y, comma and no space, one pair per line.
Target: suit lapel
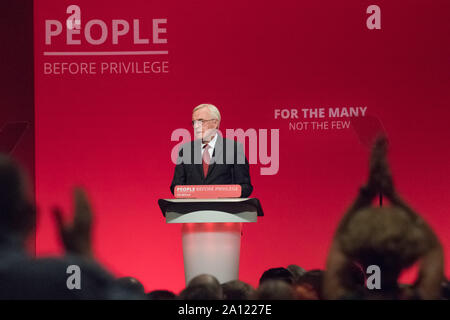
198,158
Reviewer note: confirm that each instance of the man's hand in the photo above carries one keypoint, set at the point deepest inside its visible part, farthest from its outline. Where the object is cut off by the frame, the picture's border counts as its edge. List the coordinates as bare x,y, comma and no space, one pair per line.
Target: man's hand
76,237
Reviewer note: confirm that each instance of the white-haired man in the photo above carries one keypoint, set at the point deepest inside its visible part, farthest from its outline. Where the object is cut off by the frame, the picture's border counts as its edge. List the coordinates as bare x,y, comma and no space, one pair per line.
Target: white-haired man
210,158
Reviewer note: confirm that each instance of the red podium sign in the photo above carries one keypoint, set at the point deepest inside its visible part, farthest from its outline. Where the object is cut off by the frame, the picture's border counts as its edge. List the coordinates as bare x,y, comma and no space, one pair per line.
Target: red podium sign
208,191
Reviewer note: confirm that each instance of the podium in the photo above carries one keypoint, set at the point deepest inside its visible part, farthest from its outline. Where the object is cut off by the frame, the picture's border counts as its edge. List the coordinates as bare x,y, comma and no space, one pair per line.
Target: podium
211,233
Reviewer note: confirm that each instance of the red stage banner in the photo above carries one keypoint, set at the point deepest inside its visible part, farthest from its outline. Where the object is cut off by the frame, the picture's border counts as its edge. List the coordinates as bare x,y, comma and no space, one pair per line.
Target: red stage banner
303,85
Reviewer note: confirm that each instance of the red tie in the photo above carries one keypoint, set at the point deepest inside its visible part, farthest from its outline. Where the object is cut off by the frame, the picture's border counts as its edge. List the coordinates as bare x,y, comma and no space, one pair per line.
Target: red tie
205,159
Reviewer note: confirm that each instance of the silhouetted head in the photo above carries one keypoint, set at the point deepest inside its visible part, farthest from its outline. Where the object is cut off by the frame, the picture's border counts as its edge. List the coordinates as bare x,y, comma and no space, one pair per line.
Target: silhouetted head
203,287
17,212
309,285
296,271
204,279
200,292
282,274
132,284
275,290
386,237
161,295
238,290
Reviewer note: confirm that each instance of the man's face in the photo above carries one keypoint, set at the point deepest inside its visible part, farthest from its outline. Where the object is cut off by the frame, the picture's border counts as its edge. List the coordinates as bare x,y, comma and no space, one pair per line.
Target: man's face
204,130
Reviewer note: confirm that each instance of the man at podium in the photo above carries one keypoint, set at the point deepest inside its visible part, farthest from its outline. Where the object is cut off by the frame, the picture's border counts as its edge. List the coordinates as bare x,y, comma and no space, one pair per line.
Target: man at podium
211,158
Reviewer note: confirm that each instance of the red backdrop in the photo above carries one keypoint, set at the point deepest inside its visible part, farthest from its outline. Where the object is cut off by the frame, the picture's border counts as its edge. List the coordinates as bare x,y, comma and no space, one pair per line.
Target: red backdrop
111,133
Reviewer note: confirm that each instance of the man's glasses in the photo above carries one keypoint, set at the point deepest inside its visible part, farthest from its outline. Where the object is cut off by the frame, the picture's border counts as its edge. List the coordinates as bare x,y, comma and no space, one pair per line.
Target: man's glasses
200,121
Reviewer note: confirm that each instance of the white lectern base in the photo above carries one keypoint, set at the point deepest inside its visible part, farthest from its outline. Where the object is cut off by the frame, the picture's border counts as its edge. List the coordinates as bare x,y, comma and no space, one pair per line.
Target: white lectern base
211,248
211,233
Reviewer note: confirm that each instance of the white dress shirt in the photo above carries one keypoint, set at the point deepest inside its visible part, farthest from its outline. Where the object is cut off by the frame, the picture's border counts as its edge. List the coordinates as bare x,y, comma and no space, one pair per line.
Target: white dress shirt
211,145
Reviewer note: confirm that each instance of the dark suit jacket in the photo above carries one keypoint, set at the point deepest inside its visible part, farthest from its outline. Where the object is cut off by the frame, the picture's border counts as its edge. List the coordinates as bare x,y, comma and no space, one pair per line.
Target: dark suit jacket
228,165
